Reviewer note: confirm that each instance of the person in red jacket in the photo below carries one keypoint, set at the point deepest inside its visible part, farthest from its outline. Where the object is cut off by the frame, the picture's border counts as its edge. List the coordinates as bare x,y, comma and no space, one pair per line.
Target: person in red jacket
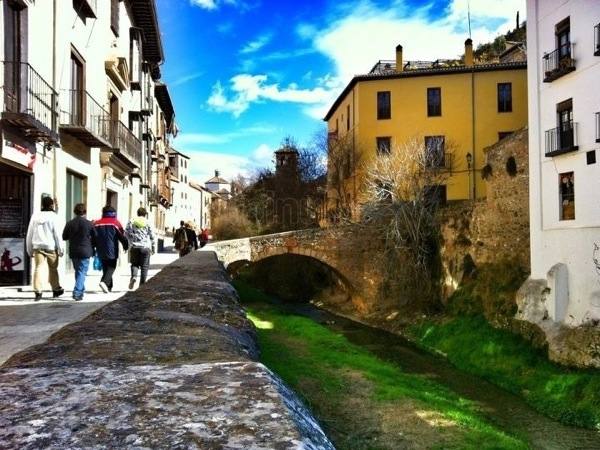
109,232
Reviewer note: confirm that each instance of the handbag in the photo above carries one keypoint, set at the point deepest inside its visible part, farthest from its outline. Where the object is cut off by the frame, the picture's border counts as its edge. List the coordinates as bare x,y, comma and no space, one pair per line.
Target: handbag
97,263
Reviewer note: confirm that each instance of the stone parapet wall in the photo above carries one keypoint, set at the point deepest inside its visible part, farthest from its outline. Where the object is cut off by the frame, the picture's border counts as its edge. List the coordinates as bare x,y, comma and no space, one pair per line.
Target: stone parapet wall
171,365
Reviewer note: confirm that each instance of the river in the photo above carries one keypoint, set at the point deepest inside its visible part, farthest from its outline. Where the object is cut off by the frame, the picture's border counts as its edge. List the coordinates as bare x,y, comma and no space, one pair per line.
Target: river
504,409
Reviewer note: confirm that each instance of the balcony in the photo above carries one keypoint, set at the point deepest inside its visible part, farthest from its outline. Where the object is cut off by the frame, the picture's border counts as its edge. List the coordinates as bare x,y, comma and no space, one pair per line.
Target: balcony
29,102
597,40
125,144
85,119
558,63
86,8
562,139
598,127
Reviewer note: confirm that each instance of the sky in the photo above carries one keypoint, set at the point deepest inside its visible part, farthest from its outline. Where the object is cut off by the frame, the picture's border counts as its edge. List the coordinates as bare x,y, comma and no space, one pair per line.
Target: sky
244,74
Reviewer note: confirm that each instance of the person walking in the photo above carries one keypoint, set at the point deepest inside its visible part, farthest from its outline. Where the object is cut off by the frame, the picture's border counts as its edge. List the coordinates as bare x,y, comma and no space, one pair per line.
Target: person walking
43,244
81,236
180,240
192,239
140,236
109,232
203,237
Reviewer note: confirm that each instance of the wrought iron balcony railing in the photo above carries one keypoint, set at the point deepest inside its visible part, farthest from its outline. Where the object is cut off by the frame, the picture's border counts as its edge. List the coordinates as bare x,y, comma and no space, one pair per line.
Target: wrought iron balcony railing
562,139
125,143
83,117
597,40
598,127
559,62
30,102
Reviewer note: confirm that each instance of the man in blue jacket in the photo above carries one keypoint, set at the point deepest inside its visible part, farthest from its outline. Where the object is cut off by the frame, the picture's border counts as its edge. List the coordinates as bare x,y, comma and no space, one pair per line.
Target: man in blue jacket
109,232
81,236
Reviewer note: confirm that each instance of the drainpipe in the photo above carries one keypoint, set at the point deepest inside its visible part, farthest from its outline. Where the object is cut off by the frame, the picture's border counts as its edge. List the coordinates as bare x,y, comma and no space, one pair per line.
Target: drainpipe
469,62
54,163
354,145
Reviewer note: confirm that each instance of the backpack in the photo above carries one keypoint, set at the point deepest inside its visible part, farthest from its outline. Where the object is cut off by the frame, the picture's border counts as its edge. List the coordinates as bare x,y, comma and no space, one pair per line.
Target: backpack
180,239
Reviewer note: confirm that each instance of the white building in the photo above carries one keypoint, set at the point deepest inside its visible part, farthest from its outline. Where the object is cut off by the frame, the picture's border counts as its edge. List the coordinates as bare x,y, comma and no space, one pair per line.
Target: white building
201,200
219,186
77,82
563,38
181,208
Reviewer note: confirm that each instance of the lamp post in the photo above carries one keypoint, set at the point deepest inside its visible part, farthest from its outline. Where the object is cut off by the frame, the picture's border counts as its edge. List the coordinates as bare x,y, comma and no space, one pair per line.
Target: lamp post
469,161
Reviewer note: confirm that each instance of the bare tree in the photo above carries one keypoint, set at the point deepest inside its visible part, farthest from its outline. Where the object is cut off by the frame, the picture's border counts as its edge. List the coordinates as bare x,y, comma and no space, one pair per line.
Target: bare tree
343,160
403,190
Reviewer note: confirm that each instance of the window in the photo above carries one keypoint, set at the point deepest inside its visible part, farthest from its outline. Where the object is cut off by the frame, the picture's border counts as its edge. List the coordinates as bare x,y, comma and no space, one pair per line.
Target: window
114,16
77,87
135,58
503,134
384,145
434,151
563,38
384,108
591,157
567,196
434,102
564,117
435,195
348,117
504,97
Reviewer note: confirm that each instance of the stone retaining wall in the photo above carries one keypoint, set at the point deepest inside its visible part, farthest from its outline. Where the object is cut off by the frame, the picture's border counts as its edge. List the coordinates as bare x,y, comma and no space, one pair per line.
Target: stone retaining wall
171,365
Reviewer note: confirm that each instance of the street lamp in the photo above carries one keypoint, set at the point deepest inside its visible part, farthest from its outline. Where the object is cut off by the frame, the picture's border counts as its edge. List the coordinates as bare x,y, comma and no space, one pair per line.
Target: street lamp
469,161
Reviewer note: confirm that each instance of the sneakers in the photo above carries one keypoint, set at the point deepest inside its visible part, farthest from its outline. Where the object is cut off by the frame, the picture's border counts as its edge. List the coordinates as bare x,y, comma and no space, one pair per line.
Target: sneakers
38,296
131,283
78,298
104,287
57,293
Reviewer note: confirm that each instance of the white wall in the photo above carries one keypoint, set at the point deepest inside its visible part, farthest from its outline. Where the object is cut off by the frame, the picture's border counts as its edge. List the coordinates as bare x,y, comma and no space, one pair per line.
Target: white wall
554,241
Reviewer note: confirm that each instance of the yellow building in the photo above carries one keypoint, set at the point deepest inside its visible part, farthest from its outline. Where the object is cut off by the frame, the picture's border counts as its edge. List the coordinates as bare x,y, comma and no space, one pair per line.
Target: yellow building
457,108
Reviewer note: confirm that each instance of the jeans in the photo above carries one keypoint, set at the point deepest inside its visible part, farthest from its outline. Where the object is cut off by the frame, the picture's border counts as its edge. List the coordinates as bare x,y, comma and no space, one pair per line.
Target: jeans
108,268
51,258
140,258
81,268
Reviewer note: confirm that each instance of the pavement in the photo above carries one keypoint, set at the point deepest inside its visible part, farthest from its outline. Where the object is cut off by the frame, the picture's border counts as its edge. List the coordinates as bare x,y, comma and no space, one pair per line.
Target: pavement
24,323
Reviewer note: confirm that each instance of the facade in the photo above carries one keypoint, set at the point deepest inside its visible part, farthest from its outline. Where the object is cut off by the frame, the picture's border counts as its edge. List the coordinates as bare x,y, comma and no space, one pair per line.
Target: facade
457,108
200,199
564,139
78,117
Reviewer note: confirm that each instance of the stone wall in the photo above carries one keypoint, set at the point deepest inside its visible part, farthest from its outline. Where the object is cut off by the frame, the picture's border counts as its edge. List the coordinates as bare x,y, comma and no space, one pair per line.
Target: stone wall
494,229
171,365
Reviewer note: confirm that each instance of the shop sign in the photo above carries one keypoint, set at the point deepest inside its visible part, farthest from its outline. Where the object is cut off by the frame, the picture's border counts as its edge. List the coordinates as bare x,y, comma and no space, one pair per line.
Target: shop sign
18,153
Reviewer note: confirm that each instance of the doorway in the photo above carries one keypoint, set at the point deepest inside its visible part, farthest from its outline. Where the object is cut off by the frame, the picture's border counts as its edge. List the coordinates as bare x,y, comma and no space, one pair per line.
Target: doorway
15,212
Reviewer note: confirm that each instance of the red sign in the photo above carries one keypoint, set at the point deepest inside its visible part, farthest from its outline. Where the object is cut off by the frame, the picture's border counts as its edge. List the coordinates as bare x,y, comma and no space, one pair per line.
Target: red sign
18,153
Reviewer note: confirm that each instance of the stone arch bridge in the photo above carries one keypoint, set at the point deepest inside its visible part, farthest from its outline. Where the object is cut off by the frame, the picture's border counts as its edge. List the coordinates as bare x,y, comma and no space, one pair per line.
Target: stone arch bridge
351,259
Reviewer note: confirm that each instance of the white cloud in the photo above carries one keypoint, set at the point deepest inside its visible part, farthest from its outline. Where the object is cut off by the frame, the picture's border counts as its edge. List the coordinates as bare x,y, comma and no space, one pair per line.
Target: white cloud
204,163
262,156
257,44
248,89
211,5
205,4
369,33
190,139
186,78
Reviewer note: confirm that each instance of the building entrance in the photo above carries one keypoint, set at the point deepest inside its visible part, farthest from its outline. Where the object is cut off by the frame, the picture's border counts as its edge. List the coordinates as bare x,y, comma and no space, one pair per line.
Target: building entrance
15,212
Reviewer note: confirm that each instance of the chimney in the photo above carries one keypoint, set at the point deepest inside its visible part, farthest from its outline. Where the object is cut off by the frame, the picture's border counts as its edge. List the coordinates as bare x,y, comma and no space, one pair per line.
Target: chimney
399,62
469,53
217,173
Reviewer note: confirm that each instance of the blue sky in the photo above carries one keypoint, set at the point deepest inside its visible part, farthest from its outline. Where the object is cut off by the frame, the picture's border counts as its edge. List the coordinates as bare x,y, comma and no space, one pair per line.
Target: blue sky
243,74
